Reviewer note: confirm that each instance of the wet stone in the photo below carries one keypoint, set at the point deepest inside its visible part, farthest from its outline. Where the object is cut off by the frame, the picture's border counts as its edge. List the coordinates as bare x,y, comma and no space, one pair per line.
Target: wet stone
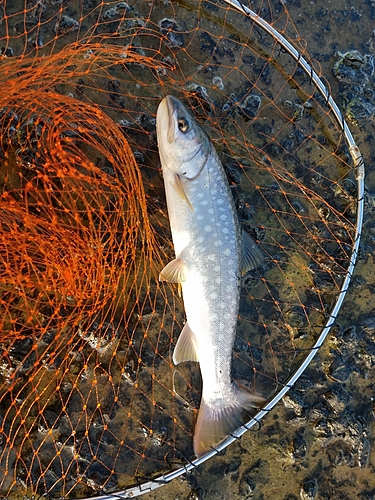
368,326
256,354
9,118
262,130
247,486
294,401
22,355
207,42
339,369
368,94
250,107
352,68
197,494
252,479
7,52
288,144
273,150
350,334
99,337
298,449
295,317
359,110
245,213
199,98
309,489
172,31
100,478
248,60
336,399
241,345
233,171
118,11
233,465
250,279
323,281
273,187
51,482
65,24
211,7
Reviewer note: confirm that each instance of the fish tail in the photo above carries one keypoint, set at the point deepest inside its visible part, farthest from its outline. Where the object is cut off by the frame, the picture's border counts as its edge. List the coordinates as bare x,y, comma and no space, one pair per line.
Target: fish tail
219,417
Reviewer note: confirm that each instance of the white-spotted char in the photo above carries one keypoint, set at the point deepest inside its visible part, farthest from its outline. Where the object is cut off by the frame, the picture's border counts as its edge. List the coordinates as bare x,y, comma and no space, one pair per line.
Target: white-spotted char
211,251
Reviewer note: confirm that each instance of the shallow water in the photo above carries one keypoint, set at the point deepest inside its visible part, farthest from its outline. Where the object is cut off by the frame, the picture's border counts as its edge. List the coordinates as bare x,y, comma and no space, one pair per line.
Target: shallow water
318,442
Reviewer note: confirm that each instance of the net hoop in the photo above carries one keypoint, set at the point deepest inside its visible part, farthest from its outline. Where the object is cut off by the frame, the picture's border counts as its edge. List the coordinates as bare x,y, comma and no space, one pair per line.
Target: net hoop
359,168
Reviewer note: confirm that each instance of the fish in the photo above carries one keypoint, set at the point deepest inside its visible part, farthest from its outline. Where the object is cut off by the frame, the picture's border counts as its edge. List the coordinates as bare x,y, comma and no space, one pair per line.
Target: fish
211,254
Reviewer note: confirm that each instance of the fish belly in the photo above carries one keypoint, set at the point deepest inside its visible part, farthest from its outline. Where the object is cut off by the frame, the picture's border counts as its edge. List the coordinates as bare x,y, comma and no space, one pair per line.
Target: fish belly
211,290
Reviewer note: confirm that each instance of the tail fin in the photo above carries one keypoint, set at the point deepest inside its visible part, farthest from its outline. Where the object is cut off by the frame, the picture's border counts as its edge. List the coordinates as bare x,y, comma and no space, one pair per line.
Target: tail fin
218,418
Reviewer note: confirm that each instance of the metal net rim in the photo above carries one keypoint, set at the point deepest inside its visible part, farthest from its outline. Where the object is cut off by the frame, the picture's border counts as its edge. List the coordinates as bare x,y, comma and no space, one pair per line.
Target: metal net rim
359,167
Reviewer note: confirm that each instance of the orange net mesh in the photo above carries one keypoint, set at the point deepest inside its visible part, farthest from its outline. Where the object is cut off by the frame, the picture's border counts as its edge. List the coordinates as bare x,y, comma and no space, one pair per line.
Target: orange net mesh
90,401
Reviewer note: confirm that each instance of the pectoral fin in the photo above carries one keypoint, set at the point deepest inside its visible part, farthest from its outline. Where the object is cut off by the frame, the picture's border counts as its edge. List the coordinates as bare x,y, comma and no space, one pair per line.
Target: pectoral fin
186,347
178,186
174,272
252,256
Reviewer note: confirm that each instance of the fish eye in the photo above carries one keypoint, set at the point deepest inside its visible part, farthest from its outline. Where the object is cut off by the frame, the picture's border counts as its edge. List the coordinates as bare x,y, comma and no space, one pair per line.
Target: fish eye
183,125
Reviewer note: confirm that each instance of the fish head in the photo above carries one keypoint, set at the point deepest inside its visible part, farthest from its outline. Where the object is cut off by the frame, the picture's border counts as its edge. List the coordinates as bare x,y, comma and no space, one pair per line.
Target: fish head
183,145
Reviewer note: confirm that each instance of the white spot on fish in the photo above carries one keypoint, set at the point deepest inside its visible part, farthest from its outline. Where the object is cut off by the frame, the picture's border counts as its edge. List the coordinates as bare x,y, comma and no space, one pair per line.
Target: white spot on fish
200,239
210,211
219,201
208,228
227,252
200,195
200,217
217,269
223,216
225,230
204,202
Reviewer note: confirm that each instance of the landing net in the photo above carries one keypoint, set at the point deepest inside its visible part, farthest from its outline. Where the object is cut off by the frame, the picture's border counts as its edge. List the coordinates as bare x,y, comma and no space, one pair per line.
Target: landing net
90,401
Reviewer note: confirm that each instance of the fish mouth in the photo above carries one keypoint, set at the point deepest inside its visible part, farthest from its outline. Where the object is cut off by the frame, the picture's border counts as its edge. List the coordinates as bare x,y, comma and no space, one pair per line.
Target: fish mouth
164,119
172,105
